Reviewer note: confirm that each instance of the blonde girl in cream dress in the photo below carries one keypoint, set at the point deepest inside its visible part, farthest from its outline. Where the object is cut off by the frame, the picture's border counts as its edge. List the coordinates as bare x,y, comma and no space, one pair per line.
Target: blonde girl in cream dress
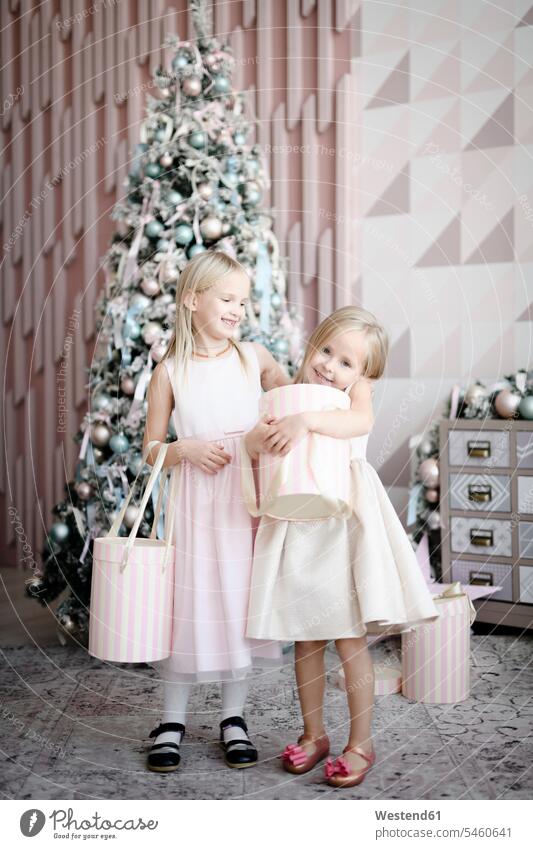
337,578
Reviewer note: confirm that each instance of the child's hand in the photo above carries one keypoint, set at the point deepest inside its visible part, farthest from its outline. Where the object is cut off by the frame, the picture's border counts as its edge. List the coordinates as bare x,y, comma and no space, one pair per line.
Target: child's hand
286,433
254,440
210,457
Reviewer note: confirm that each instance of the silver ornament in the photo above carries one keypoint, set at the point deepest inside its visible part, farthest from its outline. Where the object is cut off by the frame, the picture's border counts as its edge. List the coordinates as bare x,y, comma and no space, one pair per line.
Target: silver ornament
164,299
211,228
169,272
151,332
192,86
98,454
150,287
130,516
158,351
83,490
433,520
166,160
100,435
205,190
506,403
139,302
428,472
127,385
474,394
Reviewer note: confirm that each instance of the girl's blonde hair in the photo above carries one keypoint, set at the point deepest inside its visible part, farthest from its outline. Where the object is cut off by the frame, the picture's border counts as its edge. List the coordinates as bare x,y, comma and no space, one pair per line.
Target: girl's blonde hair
340,321
199,275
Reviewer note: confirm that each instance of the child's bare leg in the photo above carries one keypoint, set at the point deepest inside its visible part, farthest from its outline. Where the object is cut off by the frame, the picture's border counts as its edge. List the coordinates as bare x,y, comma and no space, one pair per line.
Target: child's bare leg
359,678
311,681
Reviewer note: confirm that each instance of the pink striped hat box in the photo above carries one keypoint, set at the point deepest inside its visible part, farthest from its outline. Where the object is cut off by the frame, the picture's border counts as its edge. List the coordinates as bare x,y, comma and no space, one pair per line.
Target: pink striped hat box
313,480
436,655
132,584
131,610
387,679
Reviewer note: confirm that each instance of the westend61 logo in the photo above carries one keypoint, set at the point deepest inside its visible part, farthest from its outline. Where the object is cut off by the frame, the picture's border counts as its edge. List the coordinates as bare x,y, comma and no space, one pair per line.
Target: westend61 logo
33,820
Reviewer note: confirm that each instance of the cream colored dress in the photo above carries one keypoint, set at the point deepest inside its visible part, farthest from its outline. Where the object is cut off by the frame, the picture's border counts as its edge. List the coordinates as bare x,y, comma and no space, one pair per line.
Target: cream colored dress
334,578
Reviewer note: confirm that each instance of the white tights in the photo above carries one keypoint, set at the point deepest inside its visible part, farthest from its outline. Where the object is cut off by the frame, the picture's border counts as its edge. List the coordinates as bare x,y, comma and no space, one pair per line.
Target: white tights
176,697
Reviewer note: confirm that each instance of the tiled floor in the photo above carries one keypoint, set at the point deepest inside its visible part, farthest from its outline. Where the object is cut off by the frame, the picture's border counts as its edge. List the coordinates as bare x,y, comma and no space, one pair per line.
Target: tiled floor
73,727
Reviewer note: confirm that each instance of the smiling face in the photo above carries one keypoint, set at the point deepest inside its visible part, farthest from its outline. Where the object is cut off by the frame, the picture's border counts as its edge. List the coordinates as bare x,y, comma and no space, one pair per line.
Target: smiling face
339,361
218,311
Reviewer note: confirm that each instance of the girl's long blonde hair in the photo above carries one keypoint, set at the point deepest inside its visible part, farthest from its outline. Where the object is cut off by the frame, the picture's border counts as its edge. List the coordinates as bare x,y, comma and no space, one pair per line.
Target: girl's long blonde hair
200,273
340,321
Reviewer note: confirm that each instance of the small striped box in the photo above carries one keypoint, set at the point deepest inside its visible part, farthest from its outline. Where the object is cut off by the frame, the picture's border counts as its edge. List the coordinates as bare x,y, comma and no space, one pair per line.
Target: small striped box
436,656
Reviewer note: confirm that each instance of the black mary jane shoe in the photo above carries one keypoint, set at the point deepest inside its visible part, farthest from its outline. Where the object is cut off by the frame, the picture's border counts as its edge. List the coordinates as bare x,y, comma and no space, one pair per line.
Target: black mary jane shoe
238,754
165,761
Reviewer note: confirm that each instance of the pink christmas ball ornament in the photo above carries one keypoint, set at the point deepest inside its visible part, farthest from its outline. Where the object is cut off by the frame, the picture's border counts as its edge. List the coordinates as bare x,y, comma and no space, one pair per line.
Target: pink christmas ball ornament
428,473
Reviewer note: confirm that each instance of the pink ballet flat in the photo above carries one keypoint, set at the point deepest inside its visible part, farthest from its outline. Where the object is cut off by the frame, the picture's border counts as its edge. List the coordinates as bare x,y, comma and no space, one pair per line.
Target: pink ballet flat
338,773
295,759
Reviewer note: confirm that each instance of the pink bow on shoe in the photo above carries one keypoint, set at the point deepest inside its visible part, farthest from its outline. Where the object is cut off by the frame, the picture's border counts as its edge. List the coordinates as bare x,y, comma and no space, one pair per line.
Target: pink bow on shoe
294,754
340,766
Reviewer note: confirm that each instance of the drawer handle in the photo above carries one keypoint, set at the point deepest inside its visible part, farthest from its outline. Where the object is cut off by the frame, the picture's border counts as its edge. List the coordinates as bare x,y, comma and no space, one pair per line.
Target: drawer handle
481,537
479,492
482,579
478,447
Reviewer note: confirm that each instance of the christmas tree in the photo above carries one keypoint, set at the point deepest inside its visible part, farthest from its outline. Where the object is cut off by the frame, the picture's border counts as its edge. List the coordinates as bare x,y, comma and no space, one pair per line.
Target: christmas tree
195,183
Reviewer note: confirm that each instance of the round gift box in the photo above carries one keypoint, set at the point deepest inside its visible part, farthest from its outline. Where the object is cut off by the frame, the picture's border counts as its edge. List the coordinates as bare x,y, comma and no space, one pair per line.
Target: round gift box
387,680
313,480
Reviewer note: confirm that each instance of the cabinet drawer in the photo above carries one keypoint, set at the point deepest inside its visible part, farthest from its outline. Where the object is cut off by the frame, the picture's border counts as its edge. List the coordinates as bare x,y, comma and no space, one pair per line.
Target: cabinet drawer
524,449
525,493
481,492
525,539
481,536
526,584
486,575
489,448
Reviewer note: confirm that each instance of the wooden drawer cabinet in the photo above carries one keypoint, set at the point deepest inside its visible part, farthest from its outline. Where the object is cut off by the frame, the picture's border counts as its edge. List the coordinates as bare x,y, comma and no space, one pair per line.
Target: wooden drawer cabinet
486,508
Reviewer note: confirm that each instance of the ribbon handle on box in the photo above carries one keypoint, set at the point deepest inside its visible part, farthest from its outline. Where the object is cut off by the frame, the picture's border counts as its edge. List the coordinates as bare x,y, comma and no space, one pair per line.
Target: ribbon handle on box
455,590
248,483
156,469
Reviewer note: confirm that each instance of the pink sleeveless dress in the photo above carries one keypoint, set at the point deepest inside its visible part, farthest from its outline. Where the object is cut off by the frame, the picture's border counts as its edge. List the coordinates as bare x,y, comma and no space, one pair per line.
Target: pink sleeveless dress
213,529
339,577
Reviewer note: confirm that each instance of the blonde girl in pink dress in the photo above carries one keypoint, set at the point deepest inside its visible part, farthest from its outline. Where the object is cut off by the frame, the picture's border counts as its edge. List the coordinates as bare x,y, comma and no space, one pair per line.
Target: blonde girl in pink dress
210,384
337,578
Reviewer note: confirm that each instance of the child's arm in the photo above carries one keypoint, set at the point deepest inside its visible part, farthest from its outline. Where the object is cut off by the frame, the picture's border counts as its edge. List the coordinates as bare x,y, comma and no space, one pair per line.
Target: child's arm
342,424
272,375
159,398
206,455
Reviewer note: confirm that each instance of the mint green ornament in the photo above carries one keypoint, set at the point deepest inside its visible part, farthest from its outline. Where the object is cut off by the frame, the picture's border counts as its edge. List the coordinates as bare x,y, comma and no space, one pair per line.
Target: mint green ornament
525,408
